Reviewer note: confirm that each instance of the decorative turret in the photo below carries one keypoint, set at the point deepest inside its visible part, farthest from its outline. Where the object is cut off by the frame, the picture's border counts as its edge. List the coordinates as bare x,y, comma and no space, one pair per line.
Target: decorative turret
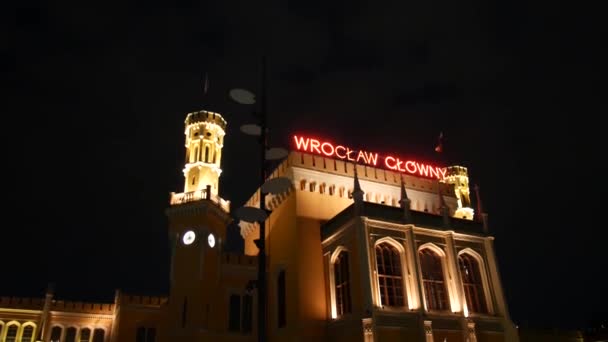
204,141
458,176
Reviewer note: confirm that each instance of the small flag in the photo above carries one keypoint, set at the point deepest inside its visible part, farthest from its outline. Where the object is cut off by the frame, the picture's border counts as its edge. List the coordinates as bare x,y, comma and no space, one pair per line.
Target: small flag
206,85
439,147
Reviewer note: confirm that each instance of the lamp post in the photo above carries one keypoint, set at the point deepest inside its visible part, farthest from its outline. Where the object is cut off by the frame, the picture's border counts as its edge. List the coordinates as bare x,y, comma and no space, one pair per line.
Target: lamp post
274,186
261,242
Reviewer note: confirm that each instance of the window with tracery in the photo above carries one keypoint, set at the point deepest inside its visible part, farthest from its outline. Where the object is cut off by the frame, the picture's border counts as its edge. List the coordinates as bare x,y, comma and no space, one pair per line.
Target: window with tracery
470,274
435,294
342,284
28,334
390,278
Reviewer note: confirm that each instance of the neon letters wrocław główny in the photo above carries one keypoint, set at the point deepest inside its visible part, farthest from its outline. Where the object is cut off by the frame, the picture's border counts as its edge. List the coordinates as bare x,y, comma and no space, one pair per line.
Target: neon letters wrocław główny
328,149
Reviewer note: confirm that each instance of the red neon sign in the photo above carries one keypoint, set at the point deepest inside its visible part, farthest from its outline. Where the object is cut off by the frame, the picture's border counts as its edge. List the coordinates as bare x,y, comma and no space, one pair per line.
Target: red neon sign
328,149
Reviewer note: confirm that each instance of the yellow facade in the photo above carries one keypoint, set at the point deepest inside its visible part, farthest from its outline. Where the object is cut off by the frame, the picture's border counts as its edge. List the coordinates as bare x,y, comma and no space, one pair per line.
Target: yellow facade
323,252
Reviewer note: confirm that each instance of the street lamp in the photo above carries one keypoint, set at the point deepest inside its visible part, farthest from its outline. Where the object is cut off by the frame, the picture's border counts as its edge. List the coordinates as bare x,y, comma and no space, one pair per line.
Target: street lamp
273,186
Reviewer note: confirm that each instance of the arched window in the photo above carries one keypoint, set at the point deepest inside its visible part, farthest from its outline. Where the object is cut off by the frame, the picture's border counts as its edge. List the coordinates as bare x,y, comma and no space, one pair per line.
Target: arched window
432,277
56,334
70,334
342,284
470,274
11,332
195,156
390,280
98,335
28,334
206,154
141,334
281,299
234,313
85,335
322,188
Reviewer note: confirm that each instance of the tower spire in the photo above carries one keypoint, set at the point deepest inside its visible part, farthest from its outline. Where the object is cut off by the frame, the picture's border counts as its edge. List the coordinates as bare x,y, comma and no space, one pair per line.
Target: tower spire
357,192
404,202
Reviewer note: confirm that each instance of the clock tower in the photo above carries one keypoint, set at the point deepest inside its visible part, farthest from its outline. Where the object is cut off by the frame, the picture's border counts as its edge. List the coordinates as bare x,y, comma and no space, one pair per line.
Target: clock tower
198,218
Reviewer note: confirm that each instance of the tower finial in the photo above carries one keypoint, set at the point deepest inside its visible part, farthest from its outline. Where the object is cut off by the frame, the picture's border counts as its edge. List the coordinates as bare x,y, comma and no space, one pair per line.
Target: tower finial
480,215
357,191
443,208
479,210
404,202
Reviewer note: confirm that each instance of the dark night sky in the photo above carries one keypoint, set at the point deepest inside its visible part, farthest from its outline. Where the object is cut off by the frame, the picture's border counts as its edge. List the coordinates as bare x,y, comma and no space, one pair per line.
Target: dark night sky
99,91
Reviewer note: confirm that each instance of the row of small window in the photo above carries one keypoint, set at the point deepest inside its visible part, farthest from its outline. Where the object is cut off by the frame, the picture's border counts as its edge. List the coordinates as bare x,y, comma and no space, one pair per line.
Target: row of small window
209,157
390,280
240,309
72,334
369,196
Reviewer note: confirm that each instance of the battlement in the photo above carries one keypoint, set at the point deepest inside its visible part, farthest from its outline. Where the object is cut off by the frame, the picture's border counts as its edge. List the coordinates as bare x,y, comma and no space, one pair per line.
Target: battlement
150,301
205,116
365,172
21,303
56,305
239,259
456,171
73,306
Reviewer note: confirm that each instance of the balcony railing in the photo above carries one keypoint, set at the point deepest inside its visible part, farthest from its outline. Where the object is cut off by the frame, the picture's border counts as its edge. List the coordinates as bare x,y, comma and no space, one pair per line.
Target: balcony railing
198,195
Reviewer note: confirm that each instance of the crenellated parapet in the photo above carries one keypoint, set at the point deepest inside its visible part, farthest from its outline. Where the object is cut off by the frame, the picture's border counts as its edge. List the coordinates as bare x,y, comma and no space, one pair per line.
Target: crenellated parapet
148,301
25,303
82,307
204,116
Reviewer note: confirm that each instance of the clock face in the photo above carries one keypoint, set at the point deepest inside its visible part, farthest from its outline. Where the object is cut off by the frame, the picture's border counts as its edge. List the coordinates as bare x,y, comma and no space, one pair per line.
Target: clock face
211,240
189,237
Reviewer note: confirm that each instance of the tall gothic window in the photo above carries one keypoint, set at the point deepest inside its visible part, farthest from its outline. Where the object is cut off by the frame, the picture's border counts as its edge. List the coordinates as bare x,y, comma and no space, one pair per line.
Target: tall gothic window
432,276
56,334
98,335
70,335
470,274
11,333
234,313
281,300
28,334
390,279
85,335
342,284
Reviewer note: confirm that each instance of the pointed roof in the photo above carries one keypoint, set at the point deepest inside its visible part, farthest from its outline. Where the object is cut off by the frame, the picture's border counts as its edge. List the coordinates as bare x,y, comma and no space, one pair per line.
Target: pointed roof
405,202
403,192
357,186
357,191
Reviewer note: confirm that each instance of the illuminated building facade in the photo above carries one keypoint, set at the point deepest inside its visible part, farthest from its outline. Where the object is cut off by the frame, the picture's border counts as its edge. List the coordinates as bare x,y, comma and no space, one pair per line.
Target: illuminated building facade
363,247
